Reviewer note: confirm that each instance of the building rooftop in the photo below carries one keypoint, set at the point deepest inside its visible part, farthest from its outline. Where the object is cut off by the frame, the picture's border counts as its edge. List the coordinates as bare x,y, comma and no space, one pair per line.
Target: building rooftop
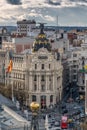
24,21
10,117
41,40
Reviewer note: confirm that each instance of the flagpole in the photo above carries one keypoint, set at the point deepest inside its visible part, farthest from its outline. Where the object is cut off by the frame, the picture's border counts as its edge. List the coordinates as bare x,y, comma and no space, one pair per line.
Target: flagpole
12,92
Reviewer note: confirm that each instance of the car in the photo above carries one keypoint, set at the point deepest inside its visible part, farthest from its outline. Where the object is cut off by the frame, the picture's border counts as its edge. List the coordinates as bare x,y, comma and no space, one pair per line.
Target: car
53,119
65,111
63,106
57,124
82,115
78,112
56,128
50,127
77,107
77,98
77,122
70,120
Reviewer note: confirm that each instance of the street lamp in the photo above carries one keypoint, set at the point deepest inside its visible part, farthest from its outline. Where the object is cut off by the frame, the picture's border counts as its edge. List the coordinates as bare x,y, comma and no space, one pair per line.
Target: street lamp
34,108
71,93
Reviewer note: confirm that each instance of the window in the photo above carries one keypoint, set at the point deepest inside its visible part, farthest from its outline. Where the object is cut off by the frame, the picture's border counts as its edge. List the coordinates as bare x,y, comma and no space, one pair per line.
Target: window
74,71
49,66
74,61
43,88
83,62
42,66
35,78
51,98
43,102
74,66
74,55
74,77
23,76
33,98
42,78
49,78
35,87
82,88
64,49
83,81
35,66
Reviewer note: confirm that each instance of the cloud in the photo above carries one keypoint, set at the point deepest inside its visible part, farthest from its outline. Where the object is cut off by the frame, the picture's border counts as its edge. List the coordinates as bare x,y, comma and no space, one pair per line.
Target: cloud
49,18
70,12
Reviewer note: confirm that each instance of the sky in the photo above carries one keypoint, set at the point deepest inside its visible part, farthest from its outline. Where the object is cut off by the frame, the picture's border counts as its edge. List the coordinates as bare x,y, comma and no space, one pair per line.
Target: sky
64,13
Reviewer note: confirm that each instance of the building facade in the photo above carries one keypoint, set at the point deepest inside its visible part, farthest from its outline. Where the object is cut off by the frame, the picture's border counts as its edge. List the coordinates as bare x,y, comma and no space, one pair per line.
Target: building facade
37,75
82,71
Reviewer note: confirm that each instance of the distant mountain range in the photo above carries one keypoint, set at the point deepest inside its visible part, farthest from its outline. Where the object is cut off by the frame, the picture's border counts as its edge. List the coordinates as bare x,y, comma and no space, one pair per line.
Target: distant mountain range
65,28
14,2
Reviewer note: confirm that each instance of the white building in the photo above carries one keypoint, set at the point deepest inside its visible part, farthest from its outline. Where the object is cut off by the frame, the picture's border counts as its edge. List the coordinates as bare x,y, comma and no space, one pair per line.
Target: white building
73,62
81,72
86,93
25,27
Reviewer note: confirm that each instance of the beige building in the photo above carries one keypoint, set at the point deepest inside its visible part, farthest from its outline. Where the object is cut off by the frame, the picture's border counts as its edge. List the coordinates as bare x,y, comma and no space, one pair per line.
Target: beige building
37,74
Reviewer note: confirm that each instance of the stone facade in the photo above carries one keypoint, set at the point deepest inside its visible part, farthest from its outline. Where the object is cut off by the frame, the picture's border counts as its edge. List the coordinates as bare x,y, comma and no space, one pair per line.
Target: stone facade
38,75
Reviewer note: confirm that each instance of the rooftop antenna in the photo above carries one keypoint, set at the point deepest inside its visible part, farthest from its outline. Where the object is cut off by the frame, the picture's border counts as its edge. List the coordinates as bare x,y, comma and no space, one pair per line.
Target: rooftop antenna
57,29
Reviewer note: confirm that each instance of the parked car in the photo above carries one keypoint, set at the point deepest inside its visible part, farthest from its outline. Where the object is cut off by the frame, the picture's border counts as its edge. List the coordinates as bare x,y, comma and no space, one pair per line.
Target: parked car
65,111
82,115
57,124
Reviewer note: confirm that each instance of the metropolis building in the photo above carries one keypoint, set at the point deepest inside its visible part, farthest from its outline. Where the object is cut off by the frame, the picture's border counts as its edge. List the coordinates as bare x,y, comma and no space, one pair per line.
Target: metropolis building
36,75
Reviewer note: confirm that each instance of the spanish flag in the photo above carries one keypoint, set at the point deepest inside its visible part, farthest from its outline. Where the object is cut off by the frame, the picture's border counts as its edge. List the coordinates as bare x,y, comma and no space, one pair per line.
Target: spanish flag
85,67
9,69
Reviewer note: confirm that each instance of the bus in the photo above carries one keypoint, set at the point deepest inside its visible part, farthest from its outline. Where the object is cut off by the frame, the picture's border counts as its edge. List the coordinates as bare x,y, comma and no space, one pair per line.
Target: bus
64,122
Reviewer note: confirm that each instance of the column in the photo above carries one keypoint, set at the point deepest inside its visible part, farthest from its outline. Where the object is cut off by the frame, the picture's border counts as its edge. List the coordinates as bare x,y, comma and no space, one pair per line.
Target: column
47,83
47,100
30,98
26,81
39,83
54,99
30,82
53,87
60,95
38,98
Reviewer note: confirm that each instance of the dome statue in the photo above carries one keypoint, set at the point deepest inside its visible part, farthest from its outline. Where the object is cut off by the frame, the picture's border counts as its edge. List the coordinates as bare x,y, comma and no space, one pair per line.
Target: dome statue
41,40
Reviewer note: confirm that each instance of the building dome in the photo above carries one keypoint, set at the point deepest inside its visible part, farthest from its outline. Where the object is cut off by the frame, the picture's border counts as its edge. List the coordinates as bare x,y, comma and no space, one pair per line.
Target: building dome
41,40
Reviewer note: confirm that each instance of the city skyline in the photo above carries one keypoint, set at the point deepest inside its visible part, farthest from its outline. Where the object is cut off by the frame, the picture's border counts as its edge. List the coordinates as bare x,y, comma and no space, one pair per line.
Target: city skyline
69,12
